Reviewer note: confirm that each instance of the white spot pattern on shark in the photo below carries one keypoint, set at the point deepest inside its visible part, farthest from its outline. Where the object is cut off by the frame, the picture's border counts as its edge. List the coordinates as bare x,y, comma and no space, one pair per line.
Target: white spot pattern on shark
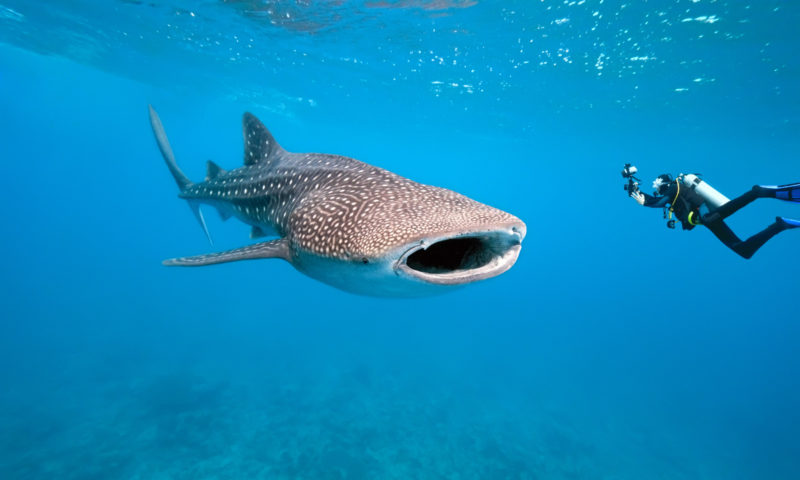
352,225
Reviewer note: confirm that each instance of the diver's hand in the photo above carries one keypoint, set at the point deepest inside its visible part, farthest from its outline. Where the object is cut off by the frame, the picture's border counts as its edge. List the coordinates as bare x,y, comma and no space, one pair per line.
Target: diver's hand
638,196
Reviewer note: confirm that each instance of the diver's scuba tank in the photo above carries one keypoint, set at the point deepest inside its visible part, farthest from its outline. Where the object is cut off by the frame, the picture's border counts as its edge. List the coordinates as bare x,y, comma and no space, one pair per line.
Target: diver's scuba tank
712,198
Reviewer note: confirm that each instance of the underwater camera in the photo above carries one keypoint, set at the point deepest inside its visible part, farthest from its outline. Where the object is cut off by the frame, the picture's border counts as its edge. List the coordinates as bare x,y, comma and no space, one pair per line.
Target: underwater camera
628,171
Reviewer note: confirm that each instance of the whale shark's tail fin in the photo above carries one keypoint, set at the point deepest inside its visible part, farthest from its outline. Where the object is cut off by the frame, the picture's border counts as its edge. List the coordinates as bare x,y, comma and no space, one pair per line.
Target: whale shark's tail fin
181,179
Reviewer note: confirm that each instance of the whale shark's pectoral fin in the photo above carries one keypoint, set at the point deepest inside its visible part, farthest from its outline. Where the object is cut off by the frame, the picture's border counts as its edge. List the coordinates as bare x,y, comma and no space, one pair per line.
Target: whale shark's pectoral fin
272,249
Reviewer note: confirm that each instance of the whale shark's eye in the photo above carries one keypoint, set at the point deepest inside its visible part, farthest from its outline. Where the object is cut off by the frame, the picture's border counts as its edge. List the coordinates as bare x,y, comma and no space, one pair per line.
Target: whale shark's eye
364,260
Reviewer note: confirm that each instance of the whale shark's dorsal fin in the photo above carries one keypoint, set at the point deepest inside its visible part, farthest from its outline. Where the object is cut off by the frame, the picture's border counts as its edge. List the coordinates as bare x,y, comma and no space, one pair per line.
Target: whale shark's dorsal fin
213,170
259,145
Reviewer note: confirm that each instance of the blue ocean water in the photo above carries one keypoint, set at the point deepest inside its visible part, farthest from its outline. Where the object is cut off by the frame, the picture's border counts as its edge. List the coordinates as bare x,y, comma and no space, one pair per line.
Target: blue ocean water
614,349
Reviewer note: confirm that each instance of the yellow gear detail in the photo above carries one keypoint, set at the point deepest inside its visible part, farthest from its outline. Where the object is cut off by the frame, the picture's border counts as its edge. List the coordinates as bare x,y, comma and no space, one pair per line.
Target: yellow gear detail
672,204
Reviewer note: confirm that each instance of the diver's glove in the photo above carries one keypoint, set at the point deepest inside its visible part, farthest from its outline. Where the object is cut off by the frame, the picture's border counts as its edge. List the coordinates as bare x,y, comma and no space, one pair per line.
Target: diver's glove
638,196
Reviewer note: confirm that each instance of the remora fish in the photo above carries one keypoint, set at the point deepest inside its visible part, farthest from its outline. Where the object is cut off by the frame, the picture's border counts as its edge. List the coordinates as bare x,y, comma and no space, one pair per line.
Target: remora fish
346,223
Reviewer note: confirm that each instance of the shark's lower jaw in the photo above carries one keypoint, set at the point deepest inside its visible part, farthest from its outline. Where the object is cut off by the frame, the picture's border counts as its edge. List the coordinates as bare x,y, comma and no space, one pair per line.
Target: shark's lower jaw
426,266
462,257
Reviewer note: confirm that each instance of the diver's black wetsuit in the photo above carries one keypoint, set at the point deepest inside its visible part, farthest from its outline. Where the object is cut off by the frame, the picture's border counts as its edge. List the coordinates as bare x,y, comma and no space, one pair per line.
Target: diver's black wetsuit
685,204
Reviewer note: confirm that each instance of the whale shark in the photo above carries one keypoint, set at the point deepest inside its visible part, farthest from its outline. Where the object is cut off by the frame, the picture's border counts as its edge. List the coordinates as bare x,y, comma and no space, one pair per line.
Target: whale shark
349,224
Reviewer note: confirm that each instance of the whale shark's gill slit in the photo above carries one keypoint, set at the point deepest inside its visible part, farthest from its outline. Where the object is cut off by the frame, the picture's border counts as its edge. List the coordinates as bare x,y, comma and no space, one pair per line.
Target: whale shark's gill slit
454,254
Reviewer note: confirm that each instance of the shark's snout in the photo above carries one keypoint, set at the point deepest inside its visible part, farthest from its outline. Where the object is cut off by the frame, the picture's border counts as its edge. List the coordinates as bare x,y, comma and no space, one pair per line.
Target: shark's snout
462,257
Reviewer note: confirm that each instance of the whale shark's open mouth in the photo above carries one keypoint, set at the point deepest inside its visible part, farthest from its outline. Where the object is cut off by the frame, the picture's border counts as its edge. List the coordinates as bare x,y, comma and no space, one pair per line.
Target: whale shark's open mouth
462,257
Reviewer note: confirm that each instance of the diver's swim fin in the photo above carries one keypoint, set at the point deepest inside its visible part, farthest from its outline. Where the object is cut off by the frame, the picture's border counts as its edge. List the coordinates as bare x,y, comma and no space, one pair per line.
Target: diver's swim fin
790,192
788,222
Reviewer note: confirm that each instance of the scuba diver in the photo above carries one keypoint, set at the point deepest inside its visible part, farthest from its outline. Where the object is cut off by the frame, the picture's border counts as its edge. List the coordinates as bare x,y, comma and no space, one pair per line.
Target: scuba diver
694,202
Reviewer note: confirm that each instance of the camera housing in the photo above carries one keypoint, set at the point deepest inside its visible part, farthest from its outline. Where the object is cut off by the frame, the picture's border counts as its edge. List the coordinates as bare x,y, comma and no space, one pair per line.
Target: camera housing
628,171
